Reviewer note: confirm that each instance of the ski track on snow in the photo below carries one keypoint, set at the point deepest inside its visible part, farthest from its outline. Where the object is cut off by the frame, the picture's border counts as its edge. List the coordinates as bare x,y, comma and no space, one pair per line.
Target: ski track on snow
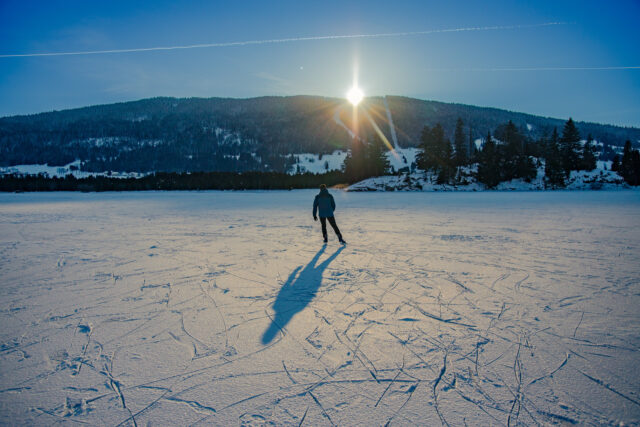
224,308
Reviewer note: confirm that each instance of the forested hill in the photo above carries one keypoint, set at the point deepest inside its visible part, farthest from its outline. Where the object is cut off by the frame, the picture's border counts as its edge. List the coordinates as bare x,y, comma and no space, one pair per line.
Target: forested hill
412,114
222,134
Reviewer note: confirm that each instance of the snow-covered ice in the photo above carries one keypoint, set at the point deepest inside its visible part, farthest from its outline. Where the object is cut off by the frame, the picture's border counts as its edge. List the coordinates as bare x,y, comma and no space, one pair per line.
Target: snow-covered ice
200,308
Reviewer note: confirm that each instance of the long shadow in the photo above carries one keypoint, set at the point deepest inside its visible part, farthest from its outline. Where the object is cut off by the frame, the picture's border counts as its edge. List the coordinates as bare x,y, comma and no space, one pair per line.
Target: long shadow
297,292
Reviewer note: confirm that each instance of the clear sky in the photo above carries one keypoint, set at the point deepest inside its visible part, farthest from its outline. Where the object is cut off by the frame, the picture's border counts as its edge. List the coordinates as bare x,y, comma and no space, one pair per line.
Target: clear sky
523,68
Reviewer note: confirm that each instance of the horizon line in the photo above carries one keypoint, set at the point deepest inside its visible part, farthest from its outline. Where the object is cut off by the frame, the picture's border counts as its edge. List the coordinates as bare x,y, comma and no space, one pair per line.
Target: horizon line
318,96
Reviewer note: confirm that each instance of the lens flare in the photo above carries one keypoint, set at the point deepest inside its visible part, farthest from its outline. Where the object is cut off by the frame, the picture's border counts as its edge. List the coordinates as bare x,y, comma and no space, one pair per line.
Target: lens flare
355,95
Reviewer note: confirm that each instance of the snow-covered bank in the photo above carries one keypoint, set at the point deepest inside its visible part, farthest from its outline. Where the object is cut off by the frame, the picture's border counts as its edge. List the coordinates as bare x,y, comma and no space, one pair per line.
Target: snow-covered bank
223,308
600,178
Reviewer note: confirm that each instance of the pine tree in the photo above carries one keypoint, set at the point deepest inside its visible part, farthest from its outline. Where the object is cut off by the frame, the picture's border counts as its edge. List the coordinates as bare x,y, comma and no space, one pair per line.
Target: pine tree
514,162
543,146
635,160
526,169
588,160
615,164
553,168
425,159
630,165
570,147
436,153
625,164
376,158
446,170
432,141
354,163
366,160
459,143
488,163
471,149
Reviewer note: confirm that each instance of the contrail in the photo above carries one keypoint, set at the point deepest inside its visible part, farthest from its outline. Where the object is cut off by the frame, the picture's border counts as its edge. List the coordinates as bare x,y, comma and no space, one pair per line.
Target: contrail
535,68
286,40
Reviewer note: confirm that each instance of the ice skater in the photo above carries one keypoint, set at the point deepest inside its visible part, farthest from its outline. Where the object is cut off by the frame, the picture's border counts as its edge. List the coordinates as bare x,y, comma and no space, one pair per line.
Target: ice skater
324,205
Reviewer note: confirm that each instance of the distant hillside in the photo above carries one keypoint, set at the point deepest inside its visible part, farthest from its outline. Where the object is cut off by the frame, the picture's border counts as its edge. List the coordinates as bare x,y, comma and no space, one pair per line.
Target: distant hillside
221,134
411,115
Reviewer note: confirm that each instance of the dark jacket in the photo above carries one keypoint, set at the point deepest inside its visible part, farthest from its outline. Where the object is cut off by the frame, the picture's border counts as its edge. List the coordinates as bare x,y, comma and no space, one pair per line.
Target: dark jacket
324,204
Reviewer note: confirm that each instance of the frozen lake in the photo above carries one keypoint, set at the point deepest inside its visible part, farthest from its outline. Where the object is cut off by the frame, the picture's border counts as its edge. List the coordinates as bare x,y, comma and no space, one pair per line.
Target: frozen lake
199,308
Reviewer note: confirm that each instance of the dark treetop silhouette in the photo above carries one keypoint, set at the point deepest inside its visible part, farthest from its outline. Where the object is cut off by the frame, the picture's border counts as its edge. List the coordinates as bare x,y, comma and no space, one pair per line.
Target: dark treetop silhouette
325,205
297,292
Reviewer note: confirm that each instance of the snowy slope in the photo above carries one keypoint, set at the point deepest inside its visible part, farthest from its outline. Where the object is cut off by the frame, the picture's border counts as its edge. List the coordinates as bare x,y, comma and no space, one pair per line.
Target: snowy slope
223,308
314,163
62,171
402,157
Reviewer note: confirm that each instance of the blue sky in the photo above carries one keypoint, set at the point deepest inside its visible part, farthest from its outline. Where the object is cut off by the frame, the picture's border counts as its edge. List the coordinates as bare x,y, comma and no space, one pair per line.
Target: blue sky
482,67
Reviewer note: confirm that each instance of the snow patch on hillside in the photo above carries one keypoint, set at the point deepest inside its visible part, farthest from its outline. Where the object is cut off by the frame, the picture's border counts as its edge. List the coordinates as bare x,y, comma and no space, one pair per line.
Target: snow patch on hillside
122,143
402,158
229,138
320,163
72,168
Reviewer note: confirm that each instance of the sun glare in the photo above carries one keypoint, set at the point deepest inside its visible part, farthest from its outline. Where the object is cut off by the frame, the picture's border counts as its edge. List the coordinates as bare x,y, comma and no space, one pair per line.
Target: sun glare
355,95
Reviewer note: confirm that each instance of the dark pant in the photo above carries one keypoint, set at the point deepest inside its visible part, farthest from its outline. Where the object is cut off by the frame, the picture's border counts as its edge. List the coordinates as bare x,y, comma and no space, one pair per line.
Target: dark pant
332,221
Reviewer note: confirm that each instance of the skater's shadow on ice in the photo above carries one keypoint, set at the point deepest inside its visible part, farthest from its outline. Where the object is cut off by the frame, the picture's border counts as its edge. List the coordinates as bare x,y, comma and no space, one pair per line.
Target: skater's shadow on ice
297,292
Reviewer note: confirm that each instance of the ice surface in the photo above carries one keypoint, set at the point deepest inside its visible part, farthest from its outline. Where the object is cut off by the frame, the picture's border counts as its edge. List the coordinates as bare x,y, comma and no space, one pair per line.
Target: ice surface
224,308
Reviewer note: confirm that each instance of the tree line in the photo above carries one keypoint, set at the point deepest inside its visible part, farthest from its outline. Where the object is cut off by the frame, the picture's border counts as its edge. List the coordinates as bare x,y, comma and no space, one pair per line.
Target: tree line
508,154
172,181
504,155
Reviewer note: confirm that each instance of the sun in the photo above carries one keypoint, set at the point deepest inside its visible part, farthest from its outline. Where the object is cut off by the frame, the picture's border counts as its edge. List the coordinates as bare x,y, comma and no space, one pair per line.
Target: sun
355,95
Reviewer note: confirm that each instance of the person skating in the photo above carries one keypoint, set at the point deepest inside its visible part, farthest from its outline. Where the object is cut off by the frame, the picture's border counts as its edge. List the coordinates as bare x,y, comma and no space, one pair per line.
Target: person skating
324,205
